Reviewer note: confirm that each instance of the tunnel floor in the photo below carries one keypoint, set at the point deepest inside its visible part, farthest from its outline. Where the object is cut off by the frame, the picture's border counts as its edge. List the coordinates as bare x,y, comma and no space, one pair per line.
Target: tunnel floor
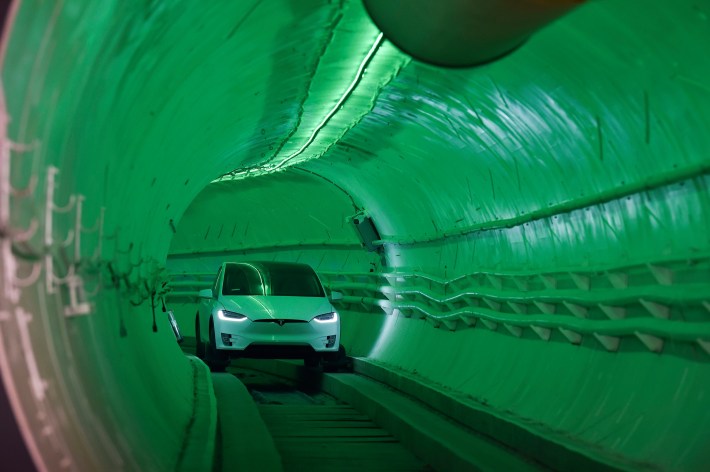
334,437
315,431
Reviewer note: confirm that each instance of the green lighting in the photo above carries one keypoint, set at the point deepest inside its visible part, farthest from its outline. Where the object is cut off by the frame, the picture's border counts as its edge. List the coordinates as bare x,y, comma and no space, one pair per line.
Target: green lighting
544,218
346,94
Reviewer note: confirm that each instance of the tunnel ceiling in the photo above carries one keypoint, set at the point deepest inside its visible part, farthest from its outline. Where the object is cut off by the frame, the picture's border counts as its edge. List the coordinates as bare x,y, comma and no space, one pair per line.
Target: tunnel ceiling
571,173
253,213
292,215
549,130
552,126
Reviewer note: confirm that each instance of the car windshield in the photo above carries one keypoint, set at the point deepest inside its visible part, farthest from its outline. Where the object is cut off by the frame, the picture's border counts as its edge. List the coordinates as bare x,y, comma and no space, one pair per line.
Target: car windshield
274,279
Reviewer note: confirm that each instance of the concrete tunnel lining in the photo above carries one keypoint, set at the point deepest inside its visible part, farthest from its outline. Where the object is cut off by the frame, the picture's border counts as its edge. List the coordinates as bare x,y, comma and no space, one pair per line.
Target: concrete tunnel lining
567,181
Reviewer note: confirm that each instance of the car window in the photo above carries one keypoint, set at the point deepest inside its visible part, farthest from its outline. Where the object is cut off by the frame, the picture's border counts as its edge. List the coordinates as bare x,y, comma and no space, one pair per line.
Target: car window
242,279
216,283
294,281
271,278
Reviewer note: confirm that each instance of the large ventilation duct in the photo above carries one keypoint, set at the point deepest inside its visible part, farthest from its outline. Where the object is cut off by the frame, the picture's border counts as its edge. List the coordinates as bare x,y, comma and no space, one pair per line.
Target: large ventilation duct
543,219
462,33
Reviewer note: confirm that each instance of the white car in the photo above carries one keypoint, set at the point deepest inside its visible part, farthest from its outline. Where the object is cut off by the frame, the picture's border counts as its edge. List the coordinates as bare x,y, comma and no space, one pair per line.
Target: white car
267,309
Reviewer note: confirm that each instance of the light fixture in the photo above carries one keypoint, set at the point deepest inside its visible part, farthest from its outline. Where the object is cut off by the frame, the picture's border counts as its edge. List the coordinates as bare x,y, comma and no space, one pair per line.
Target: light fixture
230,315
326,318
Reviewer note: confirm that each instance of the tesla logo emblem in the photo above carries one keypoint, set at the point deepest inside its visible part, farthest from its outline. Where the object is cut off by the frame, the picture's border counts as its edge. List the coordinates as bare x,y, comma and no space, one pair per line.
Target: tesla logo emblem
281,322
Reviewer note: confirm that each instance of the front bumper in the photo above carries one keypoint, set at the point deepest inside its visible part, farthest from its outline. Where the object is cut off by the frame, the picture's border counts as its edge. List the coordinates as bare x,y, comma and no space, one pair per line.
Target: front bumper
240,335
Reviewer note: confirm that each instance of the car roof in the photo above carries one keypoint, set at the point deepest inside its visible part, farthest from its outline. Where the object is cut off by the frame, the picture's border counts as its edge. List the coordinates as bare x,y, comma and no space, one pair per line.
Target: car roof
272,264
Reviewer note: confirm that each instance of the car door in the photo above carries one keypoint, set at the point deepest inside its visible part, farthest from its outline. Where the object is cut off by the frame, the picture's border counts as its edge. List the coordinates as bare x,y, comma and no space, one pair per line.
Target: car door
206,306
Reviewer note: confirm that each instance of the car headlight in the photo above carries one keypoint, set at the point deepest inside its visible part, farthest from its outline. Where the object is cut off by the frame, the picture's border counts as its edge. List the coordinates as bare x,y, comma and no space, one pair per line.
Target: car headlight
230,315
326,318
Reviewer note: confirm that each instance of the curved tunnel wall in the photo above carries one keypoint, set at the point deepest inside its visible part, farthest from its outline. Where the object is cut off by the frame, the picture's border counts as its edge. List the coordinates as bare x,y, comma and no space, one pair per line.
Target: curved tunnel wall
547,214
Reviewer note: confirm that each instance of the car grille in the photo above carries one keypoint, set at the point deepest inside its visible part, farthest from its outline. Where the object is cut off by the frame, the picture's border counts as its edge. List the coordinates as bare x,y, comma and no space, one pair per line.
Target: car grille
280,322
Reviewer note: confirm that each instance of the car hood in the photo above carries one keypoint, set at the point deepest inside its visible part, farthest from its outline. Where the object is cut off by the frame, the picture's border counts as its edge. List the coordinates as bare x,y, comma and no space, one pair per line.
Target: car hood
277,308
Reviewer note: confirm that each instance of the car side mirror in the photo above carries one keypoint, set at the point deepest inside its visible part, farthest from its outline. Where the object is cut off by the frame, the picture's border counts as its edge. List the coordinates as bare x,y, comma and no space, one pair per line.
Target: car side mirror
206,293
334,296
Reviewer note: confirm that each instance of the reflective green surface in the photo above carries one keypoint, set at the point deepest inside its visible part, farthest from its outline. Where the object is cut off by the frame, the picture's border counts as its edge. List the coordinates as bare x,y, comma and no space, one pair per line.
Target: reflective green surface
548,214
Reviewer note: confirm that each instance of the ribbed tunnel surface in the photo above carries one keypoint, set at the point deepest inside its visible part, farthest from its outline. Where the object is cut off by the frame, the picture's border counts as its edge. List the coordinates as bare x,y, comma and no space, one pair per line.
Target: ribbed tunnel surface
543,219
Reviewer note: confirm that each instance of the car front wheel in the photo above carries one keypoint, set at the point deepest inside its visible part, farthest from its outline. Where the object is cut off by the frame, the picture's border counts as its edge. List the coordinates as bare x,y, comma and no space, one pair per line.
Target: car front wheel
337,361
199,347
216,360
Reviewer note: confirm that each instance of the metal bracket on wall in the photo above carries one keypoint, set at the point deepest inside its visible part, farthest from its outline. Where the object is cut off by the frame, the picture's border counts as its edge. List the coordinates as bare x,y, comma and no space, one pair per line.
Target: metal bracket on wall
78,305
612,306
10,236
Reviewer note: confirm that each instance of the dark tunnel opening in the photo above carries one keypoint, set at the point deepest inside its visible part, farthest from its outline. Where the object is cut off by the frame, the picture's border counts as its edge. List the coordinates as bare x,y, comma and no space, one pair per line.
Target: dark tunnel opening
540,248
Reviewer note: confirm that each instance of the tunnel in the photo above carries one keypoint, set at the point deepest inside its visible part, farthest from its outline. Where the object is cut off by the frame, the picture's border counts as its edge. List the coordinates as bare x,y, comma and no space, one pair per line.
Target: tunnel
530,234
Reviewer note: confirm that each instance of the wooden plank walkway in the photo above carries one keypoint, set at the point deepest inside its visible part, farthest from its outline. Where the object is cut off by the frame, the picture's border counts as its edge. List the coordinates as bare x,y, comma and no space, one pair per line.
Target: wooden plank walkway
334,438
